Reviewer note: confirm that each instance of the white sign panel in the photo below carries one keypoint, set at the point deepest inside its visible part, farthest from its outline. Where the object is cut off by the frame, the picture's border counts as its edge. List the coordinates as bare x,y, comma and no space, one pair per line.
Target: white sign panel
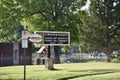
24,34
24,43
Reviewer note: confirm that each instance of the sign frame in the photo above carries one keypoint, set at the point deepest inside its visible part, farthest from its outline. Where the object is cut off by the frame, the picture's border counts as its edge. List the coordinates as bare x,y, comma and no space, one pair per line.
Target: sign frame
42,32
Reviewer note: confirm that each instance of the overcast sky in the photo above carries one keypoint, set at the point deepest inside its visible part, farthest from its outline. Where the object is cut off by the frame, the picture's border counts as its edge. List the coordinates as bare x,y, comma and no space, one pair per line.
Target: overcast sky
86,7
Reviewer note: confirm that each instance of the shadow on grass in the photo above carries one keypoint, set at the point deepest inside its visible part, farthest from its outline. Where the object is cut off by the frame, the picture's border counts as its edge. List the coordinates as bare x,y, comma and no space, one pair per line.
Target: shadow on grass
54,69
92,73
94,70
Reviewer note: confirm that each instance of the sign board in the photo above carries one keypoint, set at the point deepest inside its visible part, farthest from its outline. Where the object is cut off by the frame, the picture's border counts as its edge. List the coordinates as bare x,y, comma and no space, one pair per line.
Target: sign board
24,34
35,38
24,43
56,38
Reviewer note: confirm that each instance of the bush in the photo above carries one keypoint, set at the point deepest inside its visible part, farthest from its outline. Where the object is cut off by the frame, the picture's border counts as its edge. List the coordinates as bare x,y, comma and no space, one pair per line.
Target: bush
115,60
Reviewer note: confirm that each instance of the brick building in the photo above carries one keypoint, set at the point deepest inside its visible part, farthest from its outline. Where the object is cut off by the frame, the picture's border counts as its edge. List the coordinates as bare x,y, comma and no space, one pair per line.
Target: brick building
12,54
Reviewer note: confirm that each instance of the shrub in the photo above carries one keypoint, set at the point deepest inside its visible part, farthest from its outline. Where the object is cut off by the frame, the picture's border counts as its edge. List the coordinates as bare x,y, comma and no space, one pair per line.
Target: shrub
115,60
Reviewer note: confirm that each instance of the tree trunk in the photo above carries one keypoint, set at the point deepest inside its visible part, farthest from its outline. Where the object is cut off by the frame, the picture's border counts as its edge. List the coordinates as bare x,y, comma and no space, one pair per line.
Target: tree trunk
108,57
108,53
57,56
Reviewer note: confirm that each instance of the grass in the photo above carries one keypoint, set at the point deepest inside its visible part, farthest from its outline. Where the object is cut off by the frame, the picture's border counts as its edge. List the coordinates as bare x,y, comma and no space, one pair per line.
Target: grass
72,71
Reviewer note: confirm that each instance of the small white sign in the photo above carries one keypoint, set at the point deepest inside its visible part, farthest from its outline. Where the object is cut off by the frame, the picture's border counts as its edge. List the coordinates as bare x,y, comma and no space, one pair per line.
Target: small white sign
24,34
24,43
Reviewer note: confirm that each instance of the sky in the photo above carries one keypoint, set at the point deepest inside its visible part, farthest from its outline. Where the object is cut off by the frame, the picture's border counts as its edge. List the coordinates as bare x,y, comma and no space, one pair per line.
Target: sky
86,7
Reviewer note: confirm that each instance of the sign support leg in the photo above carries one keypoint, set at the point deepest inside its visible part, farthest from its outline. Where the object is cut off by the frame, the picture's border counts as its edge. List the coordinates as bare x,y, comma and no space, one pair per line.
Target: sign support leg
49,61
49,54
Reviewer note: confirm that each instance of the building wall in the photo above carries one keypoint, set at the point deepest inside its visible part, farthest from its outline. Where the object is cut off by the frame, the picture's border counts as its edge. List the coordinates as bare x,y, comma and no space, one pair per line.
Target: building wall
28,54
6,54
12,54
15,53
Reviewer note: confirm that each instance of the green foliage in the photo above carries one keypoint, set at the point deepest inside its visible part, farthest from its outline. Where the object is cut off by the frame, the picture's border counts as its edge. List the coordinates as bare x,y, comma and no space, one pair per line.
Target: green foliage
107,12
101,29
115,60
39,14
10,16
65,48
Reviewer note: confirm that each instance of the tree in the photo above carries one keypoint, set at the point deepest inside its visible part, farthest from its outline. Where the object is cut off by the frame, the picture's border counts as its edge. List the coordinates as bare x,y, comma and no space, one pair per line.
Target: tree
56,14
102,31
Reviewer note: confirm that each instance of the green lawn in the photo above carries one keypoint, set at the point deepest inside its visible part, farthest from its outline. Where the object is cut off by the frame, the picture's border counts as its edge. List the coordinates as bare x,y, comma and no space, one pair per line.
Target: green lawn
71,71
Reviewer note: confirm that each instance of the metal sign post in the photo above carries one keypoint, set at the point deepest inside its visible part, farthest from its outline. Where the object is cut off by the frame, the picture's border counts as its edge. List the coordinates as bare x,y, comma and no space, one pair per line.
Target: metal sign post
24,63
24,46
